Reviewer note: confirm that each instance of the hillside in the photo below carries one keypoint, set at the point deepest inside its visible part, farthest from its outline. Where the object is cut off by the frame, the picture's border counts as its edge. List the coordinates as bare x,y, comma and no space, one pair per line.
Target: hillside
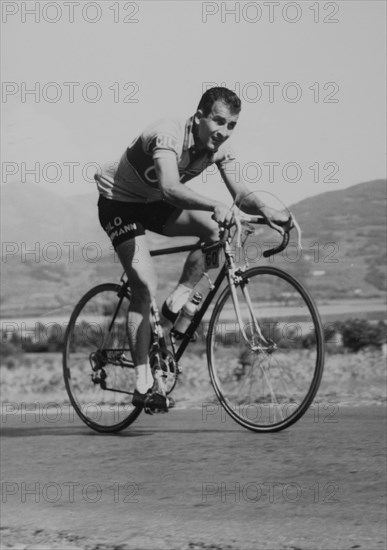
53,249
33,215
345,236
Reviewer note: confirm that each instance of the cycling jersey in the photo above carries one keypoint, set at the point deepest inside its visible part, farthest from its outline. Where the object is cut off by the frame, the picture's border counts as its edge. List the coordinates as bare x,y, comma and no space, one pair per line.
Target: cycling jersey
134,179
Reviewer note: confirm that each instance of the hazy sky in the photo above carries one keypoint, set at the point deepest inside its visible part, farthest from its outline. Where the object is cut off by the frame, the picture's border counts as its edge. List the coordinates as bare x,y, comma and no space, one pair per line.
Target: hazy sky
311,76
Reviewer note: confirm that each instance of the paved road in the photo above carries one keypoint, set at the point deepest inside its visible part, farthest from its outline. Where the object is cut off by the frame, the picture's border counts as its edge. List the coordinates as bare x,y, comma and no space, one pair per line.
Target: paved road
193,480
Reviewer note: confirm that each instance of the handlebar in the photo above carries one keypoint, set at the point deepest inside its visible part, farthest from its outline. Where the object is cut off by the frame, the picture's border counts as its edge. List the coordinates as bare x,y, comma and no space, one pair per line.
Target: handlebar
280,247
258,220
261,220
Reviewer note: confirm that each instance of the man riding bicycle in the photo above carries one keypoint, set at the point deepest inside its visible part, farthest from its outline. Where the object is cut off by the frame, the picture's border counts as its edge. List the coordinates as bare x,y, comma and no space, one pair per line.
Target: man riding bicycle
146,190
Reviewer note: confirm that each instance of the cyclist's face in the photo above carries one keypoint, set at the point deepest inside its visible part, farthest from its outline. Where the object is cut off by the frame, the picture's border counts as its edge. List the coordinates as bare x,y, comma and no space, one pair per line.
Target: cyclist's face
216,127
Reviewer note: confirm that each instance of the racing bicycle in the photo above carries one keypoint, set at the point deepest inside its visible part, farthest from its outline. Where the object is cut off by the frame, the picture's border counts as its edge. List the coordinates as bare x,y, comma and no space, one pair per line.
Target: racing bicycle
264,342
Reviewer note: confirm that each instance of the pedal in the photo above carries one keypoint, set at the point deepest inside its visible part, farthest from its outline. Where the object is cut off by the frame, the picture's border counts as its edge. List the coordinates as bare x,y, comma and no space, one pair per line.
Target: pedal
156,403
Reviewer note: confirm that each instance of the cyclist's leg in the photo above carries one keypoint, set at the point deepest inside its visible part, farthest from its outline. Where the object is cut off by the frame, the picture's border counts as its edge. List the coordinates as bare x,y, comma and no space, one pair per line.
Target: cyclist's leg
137,262
196,224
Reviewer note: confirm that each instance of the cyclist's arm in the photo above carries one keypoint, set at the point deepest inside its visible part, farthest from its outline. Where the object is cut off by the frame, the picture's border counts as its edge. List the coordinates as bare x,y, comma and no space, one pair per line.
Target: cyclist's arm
249,202
174,192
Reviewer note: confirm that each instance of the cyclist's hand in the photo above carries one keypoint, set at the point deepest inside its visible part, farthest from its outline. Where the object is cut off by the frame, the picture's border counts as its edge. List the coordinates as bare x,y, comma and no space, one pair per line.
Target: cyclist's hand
223,215
277,219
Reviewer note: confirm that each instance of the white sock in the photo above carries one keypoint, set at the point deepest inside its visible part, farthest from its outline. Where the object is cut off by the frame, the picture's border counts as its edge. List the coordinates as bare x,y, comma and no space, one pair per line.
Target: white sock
178,298
144,378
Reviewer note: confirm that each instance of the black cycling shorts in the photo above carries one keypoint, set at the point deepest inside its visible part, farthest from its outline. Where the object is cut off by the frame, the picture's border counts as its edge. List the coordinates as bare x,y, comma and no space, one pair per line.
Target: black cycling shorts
124,220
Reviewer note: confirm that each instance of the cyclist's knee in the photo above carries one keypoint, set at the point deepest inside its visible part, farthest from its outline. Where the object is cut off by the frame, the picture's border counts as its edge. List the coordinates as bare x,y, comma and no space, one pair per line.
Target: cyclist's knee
138,265
210,232
207,229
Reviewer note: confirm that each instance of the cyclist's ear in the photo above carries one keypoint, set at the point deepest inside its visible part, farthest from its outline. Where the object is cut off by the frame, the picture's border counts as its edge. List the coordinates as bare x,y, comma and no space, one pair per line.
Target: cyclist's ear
198,115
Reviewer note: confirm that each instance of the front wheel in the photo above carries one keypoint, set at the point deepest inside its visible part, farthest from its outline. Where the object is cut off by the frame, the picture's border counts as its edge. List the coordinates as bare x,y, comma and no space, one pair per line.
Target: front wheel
266,361
97,366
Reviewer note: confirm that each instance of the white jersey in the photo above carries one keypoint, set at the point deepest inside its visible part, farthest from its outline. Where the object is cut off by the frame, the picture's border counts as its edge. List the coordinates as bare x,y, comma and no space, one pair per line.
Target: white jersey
133,178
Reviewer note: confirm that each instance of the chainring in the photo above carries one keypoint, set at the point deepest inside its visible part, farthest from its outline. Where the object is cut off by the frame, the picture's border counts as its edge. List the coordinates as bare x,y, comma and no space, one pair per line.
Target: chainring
162,360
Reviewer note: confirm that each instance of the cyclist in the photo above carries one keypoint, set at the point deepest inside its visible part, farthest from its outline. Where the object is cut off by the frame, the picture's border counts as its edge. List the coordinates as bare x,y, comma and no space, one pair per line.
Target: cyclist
145,190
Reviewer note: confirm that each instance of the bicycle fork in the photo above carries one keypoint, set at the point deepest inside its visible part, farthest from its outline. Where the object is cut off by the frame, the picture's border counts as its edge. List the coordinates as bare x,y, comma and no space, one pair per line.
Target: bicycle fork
235,277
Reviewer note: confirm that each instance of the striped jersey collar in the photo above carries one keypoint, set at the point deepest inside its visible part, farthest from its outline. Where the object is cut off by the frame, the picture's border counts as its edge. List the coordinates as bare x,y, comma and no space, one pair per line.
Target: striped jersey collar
189,140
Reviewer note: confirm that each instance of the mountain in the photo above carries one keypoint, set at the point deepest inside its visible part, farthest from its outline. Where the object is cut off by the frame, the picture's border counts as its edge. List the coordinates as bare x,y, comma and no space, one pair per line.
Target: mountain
345,234
33,215
54,250
344,211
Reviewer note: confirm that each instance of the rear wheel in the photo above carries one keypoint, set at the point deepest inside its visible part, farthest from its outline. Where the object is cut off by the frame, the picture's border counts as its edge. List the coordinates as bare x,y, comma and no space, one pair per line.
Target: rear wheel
267,365
97,366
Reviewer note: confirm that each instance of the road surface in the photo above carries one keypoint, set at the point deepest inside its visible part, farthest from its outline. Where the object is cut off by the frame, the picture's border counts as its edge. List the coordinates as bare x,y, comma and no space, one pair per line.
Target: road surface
193,479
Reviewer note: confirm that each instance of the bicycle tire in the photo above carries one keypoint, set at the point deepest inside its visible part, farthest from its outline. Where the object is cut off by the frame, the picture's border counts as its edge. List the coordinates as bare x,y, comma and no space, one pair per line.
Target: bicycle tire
102,410
266,390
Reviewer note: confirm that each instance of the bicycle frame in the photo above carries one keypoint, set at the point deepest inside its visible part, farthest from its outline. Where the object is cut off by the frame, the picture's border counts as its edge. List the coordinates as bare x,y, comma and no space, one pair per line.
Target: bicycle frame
228,270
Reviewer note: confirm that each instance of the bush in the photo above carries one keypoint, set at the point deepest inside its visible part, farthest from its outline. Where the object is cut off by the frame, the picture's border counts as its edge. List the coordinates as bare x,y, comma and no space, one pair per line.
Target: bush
309,340
48,338
45,339
360,333
9,349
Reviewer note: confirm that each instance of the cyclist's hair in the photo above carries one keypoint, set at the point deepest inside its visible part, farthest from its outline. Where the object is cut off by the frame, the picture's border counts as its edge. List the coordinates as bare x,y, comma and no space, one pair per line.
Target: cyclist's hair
228,97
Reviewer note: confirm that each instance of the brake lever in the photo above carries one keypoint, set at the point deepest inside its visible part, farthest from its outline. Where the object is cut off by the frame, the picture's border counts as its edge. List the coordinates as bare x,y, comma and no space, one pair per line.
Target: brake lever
295,225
